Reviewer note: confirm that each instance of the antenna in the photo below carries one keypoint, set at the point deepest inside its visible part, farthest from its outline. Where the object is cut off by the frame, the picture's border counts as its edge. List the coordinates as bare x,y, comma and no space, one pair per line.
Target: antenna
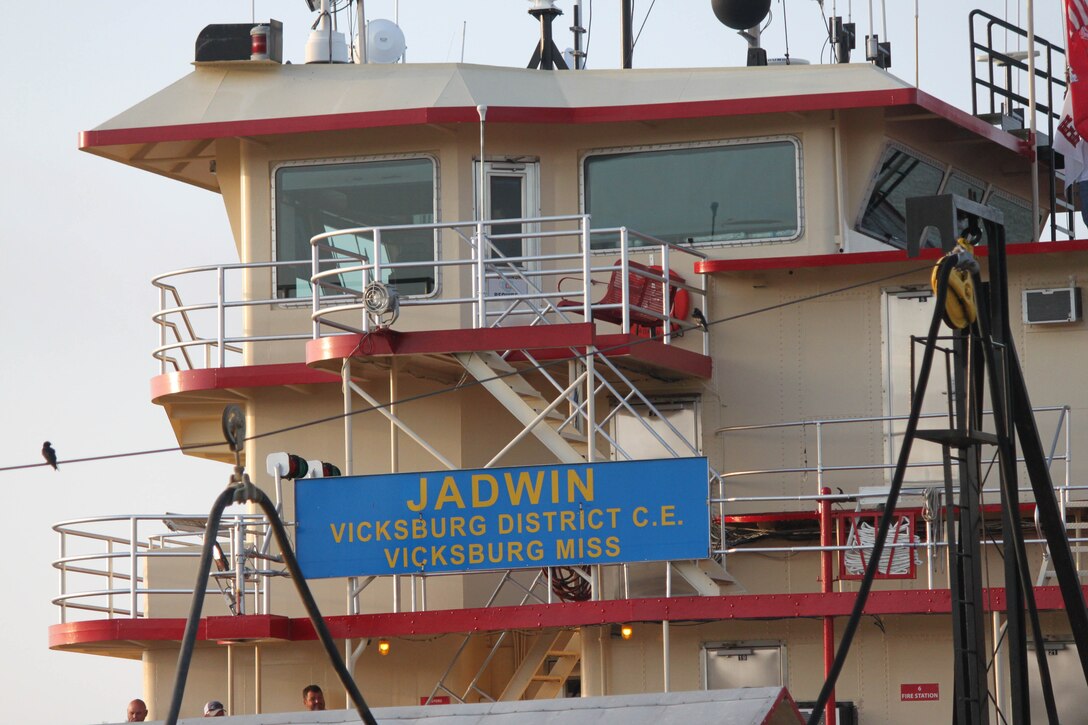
325,45
384,41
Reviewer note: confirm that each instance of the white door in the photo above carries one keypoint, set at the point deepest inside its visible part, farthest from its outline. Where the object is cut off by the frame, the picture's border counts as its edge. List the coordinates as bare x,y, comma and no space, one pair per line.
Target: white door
512,191
907,314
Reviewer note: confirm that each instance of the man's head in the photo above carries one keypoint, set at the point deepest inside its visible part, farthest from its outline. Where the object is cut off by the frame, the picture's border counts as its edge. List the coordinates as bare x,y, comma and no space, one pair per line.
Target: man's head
313,698
137,711
214,708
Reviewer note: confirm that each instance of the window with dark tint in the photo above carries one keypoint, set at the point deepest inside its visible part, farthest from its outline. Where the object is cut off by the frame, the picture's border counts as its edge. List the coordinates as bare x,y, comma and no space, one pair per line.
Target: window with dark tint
732,193
901,175
314,199
1018,227
964,186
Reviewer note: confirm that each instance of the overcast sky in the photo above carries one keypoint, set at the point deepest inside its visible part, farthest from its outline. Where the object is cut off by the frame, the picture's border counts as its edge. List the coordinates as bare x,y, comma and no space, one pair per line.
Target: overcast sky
82,237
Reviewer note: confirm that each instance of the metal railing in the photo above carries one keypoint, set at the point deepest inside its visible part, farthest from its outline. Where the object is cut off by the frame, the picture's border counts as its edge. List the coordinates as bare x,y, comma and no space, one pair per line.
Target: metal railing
183,328
103,561
503,288
1000,91
827,472
217,329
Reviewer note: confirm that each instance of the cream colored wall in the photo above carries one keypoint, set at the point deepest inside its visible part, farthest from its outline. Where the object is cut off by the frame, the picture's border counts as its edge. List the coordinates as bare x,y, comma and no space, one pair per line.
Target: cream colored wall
886,653
821,359
246,171
409,672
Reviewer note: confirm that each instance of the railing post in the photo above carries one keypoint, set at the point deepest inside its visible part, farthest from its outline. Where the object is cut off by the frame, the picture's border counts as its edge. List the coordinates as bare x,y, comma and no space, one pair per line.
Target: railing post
162,330
133,567
239,566
587,280
222,322
109,576
63,578
666,295
666,674
826,588
315,302
481,275
625,283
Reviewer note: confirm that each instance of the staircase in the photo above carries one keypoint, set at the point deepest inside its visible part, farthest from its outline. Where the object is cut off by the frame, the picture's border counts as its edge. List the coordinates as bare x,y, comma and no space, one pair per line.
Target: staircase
1076,526
565,419
999,82
547,665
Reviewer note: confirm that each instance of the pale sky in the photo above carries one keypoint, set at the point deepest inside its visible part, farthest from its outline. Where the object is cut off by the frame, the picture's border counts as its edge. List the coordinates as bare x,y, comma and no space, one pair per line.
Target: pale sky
82,237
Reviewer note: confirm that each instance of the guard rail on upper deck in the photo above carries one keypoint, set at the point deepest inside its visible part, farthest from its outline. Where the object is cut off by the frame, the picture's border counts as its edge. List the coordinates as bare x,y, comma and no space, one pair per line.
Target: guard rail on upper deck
103,562
565,280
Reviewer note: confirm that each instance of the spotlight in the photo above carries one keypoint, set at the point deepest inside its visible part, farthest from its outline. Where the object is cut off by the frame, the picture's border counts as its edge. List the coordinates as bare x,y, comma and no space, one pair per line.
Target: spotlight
383,647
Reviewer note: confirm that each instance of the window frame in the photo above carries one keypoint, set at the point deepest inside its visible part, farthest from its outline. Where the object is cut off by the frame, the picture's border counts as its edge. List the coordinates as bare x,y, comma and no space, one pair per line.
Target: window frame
948,170
339,161
715,143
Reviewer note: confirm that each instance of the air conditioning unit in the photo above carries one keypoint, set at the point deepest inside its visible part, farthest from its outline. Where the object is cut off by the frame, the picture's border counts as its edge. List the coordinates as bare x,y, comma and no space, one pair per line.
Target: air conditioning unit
1047,306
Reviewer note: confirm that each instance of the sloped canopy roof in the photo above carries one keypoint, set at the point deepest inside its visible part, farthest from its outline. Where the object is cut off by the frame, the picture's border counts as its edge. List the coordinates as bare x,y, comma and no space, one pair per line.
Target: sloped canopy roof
749,706
174,131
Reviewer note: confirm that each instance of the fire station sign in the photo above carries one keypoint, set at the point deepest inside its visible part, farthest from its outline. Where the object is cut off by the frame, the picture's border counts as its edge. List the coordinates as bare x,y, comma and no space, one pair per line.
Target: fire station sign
503,518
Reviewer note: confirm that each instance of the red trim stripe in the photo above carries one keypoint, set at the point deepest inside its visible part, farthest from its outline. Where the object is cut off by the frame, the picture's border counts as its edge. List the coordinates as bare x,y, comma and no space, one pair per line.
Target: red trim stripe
248,376
552,115
548,342
895,256
75,635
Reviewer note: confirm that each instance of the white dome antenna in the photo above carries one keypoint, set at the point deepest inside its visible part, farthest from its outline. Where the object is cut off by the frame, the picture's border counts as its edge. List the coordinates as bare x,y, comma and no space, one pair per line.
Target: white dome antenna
325,45
384,42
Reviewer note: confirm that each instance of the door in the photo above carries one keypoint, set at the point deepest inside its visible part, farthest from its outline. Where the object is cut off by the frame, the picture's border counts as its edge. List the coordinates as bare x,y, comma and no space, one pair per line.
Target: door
512,191
906,314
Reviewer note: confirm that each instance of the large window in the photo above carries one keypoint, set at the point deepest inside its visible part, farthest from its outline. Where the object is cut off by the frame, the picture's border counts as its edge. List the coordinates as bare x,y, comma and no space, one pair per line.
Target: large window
706,194
317,198
903,174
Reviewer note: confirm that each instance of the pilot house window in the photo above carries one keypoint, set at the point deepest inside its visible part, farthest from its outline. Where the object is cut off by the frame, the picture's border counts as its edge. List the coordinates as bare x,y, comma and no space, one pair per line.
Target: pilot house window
729,193
314,199
903,174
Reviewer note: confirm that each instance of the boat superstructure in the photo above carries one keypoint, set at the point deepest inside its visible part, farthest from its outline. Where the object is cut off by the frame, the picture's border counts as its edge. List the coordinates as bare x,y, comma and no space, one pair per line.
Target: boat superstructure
449,267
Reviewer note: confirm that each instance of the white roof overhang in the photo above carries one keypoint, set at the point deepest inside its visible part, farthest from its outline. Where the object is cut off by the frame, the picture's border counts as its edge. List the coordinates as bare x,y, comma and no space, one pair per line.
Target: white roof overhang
174,132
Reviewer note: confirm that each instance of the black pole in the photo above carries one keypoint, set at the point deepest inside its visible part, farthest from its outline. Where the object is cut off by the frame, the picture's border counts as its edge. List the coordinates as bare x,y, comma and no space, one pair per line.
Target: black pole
627,42
577,30
1020,585
862,596
546,44
242,491
188,640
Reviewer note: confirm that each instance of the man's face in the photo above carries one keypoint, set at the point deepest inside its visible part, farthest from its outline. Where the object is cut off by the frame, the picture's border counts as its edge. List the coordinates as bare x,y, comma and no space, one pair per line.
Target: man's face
137,711
314,700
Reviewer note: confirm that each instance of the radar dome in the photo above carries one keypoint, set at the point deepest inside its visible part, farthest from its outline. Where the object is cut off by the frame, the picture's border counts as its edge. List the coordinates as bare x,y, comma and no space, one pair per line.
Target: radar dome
741,14
384,41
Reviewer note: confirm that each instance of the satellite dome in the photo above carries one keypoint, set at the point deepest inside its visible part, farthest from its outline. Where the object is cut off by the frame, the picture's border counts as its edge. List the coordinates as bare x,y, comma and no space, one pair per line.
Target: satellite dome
384,41
741,14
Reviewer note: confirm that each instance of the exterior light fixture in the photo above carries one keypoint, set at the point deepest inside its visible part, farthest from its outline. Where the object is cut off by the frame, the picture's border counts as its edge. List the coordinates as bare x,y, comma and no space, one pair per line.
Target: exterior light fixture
626,631
383,647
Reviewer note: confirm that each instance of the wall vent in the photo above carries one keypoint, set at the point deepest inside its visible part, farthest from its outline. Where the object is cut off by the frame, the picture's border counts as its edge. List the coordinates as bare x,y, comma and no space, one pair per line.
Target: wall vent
1047,306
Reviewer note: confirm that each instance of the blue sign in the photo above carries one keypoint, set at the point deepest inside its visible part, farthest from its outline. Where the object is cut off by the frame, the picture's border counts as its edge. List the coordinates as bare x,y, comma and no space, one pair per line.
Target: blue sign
503,518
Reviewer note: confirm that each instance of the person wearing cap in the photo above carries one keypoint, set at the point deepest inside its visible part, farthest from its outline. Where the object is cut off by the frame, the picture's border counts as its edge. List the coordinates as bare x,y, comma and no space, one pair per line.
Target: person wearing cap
313,698
137,711
214,708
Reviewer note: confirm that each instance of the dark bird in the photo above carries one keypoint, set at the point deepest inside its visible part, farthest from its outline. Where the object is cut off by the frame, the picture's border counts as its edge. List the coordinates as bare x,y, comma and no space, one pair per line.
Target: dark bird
698,316
49,454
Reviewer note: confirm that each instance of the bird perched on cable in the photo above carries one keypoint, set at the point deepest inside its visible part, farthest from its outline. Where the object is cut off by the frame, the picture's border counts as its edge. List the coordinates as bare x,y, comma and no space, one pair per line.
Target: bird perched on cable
699,317
49,454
